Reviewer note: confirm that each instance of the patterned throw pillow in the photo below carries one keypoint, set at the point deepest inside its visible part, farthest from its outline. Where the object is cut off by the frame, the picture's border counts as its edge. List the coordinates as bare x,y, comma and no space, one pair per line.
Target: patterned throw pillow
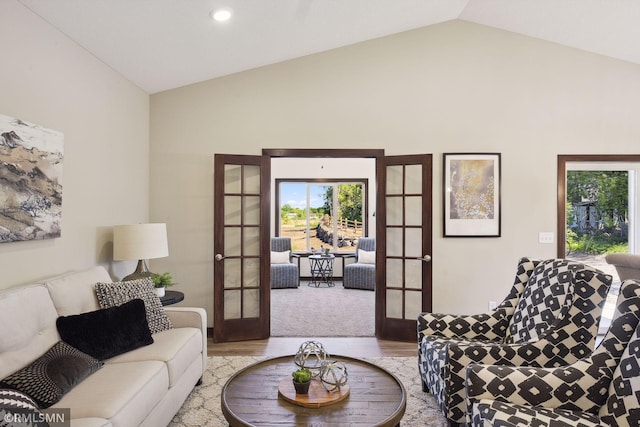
14,405
541,301
117,293
366,257
53,374
280,257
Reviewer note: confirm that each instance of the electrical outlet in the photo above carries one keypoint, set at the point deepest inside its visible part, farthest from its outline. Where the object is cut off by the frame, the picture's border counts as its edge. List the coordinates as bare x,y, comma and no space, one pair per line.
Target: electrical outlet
492,305
545,237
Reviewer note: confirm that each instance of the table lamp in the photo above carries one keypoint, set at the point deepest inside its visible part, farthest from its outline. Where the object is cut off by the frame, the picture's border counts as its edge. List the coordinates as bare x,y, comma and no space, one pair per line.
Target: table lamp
141,242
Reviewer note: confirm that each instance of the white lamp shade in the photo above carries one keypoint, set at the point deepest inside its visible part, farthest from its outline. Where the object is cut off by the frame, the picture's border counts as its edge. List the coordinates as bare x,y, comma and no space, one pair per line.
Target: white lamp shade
140,241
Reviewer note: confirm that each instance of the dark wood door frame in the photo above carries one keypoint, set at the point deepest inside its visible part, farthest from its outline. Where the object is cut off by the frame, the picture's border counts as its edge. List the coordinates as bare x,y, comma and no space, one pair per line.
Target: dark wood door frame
563,159
385,328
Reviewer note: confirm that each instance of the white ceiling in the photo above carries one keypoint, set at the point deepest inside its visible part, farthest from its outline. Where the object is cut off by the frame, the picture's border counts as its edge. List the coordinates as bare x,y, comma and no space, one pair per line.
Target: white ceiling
164,44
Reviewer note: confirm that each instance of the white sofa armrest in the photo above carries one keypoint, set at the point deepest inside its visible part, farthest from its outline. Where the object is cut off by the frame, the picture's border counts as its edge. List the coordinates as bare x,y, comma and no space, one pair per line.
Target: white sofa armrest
182,317
191,317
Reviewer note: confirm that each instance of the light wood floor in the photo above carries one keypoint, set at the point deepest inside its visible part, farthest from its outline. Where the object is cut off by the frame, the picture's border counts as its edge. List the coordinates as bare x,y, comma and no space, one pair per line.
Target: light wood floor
352,346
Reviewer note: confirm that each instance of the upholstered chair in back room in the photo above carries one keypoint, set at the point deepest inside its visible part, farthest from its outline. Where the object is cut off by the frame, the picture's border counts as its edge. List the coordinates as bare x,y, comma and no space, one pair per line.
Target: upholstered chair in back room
549,319
284,272
601,389
362,273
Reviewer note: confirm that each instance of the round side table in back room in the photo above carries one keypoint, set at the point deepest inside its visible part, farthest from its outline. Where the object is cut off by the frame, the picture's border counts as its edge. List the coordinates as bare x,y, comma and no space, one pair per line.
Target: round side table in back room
321,270
171,297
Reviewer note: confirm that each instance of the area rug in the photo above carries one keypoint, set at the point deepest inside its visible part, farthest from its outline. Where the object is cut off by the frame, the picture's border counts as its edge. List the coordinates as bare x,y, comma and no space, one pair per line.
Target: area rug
202,407
329,312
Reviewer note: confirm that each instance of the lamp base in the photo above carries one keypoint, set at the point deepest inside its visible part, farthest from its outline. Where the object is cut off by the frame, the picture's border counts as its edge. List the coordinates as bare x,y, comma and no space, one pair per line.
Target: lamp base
142,272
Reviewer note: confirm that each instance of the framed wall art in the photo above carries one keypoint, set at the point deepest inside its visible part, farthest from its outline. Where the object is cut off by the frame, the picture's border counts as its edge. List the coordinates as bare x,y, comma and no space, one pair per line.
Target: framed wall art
471,194
30,181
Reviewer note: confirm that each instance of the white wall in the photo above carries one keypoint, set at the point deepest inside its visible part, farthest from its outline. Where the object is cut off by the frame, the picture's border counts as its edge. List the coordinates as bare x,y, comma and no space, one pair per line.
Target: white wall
49,80
452,87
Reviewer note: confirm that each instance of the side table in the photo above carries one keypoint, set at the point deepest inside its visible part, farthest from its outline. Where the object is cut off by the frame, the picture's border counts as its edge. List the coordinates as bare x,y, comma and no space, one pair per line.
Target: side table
321,270
171,297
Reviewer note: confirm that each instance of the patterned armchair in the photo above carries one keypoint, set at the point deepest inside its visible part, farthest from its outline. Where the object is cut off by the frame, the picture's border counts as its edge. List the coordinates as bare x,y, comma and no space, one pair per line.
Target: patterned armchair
550,318
284,273
361,275
601,389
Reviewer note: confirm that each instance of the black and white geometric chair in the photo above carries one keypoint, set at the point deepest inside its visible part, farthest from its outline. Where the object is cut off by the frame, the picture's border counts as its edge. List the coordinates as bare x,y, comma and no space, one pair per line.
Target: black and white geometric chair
284,273
602,389
549,319
362,273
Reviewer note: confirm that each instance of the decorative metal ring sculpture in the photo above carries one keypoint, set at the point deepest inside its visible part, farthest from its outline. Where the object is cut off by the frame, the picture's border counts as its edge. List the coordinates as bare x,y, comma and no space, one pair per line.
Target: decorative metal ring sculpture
311,355
333,375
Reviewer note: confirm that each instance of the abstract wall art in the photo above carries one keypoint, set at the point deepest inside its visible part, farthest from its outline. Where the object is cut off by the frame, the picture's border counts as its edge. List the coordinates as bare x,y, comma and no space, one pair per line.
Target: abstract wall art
471,196
30,181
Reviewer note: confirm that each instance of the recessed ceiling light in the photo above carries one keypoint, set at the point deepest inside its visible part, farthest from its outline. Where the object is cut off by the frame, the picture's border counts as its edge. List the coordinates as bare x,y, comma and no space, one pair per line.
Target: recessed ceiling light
221,15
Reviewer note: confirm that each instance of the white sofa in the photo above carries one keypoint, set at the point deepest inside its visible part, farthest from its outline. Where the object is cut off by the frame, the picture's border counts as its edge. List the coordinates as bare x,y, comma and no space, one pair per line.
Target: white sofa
143,387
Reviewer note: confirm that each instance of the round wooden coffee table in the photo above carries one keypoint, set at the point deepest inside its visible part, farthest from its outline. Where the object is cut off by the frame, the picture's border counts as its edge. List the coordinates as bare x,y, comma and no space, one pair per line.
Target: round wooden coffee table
250,397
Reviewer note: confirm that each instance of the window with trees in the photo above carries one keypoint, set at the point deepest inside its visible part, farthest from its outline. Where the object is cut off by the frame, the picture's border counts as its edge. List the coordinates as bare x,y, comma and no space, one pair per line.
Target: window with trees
597,211
322,213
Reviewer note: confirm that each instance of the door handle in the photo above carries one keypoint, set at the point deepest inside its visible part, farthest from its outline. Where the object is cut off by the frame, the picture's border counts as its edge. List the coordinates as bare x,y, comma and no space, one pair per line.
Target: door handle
219,257
426,258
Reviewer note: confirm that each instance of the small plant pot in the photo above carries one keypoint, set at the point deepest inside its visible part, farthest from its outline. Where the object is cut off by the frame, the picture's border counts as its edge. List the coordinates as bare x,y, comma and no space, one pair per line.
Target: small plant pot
160,292
301,388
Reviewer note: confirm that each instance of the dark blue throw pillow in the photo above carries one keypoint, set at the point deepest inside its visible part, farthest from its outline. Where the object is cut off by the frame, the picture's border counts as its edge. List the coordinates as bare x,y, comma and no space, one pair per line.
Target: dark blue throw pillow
107,332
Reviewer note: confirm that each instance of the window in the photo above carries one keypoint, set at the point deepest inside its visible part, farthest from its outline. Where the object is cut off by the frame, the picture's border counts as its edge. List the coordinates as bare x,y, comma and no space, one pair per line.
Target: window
574,212
600,209
321,213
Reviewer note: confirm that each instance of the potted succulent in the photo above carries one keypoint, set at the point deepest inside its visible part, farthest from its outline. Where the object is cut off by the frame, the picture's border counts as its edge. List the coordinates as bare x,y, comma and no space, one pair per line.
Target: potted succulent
161,281
301,380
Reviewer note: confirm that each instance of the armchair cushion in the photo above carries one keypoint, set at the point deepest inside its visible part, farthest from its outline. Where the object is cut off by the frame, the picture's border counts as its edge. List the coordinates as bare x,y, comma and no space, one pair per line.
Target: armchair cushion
366,257
280,257
494,414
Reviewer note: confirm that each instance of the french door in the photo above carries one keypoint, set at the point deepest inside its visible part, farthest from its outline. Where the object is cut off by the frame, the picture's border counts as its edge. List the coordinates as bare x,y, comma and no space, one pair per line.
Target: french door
241,268
404,245
241,242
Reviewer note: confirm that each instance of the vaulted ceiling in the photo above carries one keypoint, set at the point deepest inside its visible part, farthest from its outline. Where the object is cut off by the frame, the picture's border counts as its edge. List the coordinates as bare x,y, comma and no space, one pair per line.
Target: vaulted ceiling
164,44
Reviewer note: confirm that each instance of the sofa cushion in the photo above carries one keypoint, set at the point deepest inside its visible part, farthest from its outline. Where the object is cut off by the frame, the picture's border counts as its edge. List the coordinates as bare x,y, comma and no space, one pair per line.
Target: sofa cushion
117,293
74,292
108,332
176,347
27,326
123,393
53,374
